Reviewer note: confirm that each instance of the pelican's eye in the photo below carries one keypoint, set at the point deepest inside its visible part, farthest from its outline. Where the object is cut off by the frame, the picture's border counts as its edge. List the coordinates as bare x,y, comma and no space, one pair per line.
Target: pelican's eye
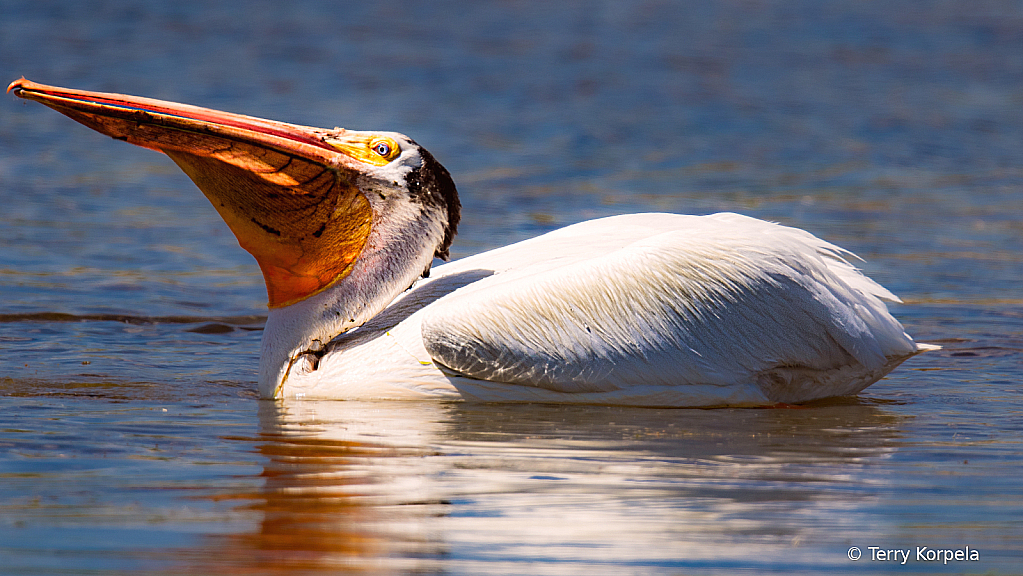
369,148
385,148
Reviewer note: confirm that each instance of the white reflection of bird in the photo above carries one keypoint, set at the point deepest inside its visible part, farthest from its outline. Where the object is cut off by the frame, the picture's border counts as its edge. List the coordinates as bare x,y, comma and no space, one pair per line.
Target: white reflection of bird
643,309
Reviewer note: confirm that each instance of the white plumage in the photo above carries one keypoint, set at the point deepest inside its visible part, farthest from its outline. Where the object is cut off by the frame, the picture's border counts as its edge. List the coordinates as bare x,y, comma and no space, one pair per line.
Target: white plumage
644,309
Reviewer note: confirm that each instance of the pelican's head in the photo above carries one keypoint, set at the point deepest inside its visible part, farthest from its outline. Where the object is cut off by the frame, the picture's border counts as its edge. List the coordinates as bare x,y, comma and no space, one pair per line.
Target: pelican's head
339,221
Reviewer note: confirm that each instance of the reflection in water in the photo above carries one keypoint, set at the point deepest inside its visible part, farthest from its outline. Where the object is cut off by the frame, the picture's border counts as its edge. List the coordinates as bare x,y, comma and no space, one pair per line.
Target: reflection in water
430,487
321,504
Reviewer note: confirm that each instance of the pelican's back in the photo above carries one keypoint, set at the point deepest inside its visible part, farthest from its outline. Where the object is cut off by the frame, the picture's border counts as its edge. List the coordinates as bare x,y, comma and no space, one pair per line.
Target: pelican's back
657,301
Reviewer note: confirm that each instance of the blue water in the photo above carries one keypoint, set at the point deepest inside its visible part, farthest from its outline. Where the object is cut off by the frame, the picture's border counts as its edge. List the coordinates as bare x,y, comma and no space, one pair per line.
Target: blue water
131,439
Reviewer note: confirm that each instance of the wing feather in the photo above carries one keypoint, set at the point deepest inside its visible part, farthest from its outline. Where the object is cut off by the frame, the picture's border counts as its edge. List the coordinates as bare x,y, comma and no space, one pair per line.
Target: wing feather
705,300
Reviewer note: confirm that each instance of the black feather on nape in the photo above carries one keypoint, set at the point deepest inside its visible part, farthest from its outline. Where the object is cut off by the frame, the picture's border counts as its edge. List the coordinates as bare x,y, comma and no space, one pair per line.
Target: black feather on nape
431,185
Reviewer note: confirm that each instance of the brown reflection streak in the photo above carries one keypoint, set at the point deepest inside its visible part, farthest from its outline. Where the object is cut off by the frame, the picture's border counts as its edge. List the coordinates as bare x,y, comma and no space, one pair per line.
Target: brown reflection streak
313,519
363,487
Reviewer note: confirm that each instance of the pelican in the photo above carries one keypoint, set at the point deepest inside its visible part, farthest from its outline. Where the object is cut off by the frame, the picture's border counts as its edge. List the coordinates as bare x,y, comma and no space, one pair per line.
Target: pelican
640,309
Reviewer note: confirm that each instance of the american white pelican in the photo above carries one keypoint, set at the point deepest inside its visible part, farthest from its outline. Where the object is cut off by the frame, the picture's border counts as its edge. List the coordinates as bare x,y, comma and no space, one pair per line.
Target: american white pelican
644,309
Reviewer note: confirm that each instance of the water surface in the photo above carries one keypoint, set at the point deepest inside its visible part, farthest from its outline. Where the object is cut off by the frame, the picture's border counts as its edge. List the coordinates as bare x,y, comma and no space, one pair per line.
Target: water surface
131,439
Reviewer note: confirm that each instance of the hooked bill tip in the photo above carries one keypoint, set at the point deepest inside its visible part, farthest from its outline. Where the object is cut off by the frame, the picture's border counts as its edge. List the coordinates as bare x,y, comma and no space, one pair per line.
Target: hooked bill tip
16,86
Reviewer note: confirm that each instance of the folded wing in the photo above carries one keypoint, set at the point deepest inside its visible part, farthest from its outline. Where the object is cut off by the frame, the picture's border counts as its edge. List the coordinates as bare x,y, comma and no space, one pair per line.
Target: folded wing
713,300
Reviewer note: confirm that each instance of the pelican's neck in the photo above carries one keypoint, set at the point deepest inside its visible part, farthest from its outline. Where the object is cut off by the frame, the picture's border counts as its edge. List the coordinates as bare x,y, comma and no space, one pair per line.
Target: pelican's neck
400,248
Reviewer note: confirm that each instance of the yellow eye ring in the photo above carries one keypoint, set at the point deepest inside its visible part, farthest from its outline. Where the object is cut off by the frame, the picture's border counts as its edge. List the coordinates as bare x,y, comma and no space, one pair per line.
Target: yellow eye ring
374,149
385,147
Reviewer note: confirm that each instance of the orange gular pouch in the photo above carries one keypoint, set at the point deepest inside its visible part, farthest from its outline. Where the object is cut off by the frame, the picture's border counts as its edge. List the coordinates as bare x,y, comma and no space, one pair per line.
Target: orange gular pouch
275,184
302,222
